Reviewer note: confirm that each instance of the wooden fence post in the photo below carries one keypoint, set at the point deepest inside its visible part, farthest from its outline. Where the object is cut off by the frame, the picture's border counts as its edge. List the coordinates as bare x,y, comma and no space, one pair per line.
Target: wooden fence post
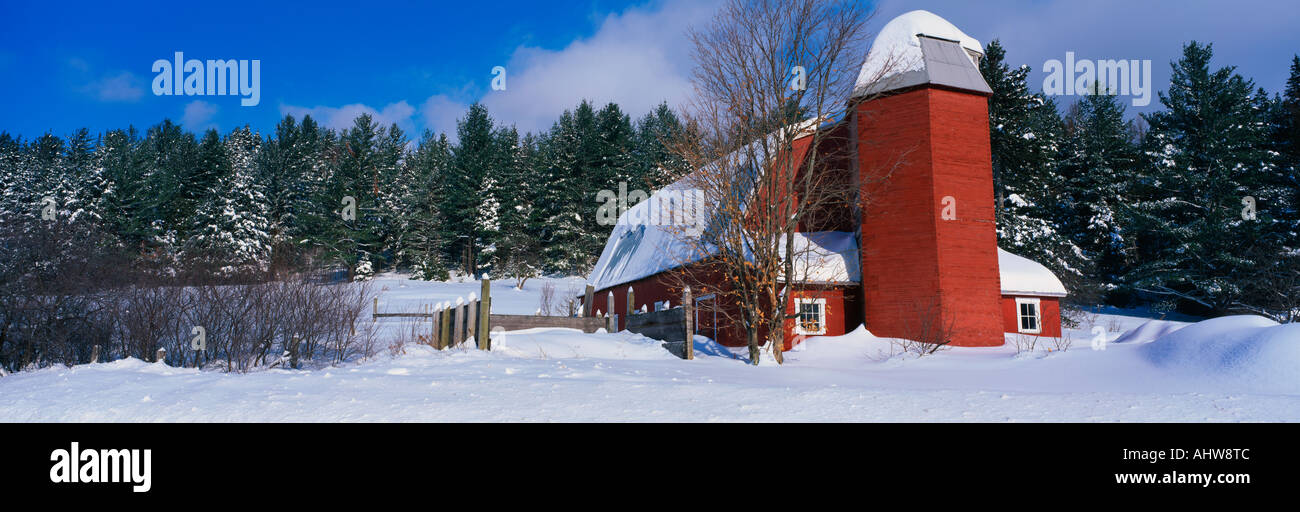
444,330
588,304
461,320
484,316
609,303
374,313
160,356
94,354
688,308
471,320
631,302
433,326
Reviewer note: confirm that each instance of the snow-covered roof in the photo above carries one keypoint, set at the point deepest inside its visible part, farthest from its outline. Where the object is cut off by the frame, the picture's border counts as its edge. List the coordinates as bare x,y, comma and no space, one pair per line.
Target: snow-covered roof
900,57
639,251
829,257
1022,276
643,243
638,247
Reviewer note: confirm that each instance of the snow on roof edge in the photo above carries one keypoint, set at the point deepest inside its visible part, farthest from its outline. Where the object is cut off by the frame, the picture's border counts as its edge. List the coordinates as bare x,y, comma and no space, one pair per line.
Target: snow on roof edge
1023,276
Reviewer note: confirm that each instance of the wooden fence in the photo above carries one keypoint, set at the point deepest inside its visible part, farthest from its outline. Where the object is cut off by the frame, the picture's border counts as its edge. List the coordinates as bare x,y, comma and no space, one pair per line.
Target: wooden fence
453,324
673,326
473,319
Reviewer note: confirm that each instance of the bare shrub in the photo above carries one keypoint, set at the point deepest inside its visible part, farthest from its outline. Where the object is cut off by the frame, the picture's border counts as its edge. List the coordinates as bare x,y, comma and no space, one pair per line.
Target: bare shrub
411,332
1025,343
546,301
570,304
926,330
1063,342
1113,325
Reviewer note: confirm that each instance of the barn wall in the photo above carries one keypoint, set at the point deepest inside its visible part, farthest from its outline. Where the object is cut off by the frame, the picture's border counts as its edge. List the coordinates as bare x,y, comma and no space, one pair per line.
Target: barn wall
835,313
732,334
1051,314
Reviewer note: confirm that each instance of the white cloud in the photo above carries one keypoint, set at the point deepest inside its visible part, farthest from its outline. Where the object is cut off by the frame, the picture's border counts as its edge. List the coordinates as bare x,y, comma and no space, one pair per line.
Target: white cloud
198,116
637,58
439,113
340,118
123,86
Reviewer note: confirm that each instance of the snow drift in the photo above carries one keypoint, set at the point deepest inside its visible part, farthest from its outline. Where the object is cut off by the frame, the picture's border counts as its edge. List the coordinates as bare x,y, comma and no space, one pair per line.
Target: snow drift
1150,331
1250,350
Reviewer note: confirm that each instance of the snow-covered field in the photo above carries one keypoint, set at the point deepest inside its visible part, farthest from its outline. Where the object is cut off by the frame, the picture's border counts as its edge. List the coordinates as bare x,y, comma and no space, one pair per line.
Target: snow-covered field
1229,369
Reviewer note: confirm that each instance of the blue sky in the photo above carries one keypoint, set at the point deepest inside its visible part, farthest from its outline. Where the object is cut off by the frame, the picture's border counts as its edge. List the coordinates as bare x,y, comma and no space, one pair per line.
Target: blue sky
71,64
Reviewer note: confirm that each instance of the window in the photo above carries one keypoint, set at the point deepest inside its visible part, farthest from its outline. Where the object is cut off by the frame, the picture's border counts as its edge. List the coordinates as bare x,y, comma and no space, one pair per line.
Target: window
811,316
1029,313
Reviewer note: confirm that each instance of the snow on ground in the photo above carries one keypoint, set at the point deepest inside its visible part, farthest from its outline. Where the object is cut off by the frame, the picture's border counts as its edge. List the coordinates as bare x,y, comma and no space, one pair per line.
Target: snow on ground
1230,369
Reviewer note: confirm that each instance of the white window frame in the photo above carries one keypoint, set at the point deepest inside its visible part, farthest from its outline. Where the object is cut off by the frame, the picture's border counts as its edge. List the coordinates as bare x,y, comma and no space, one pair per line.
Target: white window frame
798,312
1038,315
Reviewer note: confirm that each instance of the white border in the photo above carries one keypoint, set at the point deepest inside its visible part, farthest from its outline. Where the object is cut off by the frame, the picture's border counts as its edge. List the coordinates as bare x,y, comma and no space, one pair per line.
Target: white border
1038,314
798,329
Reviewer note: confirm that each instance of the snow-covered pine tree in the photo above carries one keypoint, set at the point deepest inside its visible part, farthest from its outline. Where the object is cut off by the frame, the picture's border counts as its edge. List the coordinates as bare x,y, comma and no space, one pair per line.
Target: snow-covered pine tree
353,172
1208,156
125,201
87,179
231,230
1274,290
1286,138
518,247
283,165
394,187
655,164
423,240
47,176
317,199
1025,135
570,156
1099,162
12,154
468,212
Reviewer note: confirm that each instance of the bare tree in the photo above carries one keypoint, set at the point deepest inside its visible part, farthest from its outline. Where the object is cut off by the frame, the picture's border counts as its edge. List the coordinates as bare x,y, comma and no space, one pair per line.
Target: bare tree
769,146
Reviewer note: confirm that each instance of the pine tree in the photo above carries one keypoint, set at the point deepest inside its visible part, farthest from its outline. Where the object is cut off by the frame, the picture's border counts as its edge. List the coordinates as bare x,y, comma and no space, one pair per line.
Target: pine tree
394,187
655,164
1025,135
231,230
315,202
423,242
127,201
469,204
1099,161
282,167
518,248
87,181
1208,156
1286,138
352,171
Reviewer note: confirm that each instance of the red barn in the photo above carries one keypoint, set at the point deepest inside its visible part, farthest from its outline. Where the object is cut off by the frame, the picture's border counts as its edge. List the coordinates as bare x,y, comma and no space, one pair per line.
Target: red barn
927,237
